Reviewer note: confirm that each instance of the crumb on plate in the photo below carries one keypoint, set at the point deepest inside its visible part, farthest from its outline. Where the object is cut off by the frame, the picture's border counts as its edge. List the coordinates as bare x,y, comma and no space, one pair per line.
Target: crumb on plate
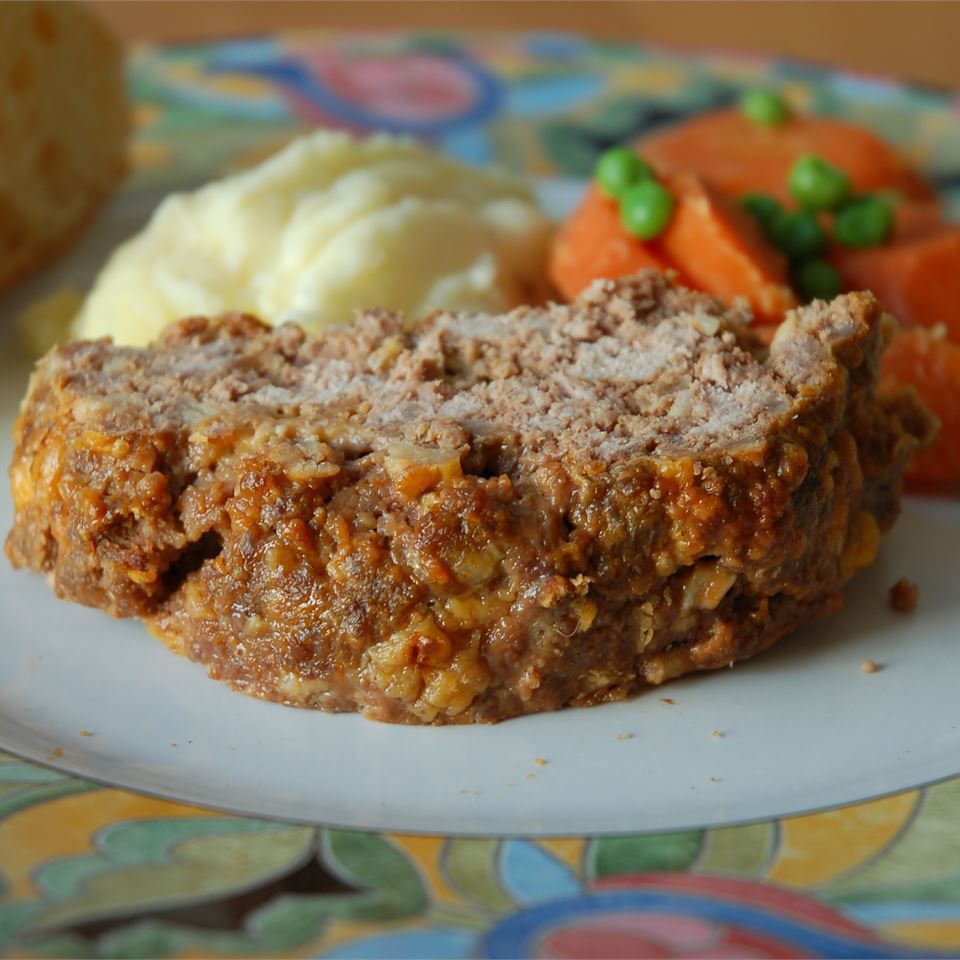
869,666
904,596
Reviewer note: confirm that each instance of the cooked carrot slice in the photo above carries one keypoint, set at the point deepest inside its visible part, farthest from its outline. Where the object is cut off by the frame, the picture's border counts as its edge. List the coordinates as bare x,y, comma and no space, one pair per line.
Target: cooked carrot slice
912,221
720,249
916,275
931,365
745,157
592,243
712,244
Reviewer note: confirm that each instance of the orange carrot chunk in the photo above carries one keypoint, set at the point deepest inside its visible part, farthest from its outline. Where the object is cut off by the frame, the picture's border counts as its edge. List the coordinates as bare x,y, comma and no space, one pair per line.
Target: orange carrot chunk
721,249
916,274
741,156
931,365
593,243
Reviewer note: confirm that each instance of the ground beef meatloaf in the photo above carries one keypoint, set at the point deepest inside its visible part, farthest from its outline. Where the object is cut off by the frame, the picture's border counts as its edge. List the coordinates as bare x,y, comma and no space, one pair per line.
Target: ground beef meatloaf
485,517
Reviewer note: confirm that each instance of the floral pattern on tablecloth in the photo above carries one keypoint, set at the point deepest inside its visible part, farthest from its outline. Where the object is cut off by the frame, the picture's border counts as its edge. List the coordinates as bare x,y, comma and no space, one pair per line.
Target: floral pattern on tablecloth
542,105
91,871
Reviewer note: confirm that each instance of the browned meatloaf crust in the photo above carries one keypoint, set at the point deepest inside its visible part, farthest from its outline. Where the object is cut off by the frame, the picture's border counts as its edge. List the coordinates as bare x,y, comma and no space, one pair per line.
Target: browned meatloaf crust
486,517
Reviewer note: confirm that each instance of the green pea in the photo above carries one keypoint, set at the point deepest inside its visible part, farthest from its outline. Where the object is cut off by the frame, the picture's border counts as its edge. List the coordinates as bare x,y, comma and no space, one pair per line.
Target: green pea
762,207
816,184
864,222
646,209
797,234
816,280
620,168
764,107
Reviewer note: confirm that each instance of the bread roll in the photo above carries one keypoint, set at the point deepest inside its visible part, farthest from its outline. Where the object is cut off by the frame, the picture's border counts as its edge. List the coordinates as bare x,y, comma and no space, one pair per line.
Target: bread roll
63,128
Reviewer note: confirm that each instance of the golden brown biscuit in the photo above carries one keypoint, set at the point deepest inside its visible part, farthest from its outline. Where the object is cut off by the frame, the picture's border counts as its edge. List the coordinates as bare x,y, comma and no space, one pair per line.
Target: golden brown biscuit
63,128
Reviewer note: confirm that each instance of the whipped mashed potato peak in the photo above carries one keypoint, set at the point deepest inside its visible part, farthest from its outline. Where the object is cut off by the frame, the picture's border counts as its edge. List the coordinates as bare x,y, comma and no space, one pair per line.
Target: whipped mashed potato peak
329,225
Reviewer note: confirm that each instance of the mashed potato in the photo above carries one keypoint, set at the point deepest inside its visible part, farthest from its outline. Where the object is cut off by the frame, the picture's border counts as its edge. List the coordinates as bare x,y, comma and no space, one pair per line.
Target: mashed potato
329,225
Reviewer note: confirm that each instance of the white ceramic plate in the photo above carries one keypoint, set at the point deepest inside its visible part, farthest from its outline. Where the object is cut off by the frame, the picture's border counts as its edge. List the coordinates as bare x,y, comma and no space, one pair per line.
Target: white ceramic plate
802,727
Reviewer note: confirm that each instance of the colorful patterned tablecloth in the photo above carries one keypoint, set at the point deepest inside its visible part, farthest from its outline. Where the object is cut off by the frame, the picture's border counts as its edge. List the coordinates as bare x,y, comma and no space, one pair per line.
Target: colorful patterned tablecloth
90,871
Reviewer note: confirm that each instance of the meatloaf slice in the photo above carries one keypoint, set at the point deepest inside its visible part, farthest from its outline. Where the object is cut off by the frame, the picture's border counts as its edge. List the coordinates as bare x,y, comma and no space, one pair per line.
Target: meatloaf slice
485,517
